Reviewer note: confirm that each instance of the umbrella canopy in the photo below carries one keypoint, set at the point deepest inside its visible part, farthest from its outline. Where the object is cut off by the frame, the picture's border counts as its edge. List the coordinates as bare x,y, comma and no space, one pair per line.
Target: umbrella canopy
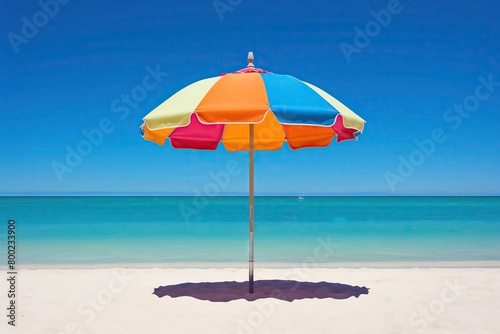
251,109
219,109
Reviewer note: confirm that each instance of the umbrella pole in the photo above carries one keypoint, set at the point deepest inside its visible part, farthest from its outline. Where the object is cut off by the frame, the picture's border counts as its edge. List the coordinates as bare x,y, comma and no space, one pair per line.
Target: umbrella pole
251,204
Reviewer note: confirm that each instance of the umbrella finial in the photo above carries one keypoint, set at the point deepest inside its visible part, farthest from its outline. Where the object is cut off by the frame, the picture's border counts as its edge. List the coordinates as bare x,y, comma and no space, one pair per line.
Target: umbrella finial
250,59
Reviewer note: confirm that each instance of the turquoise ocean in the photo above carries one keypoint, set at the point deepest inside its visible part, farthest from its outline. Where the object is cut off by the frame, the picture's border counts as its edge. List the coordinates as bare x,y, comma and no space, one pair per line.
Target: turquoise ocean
144,230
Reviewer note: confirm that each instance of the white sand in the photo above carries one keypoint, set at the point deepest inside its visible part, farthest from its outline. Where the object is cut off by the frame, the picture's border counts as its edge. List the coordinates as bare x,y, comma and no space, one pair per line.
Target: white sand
426,300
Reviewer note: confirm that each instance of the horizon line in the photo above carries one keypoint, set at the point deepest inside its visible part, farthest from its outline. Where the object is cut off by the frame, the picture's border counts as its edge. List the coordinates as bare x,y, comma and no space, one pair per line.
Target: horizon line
114,194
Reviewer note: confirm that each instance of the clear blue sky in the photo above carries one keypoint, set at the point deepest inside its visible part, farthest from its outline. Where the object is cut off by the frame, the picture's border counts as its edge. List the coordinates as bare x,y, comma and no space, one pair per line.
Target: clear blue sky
414,77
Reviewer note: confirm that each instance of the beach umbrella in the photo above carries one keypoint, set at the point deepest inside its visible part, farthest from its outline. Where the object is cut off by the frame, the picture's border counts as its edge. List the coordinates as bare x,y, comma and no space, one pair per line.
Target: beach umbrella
247,110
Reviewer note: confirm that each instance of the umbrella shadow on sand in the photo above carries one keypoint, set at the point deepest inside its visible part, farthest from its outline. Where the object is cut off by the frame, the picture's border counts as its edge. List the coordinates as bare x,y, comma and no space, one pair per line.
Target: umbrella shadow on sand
286,290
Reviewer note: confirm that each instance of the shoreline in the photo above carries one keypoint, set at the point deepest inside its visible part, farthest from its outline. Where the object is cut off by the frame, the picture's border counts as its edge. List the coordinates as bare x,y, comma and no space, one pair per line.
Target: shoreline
268,265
